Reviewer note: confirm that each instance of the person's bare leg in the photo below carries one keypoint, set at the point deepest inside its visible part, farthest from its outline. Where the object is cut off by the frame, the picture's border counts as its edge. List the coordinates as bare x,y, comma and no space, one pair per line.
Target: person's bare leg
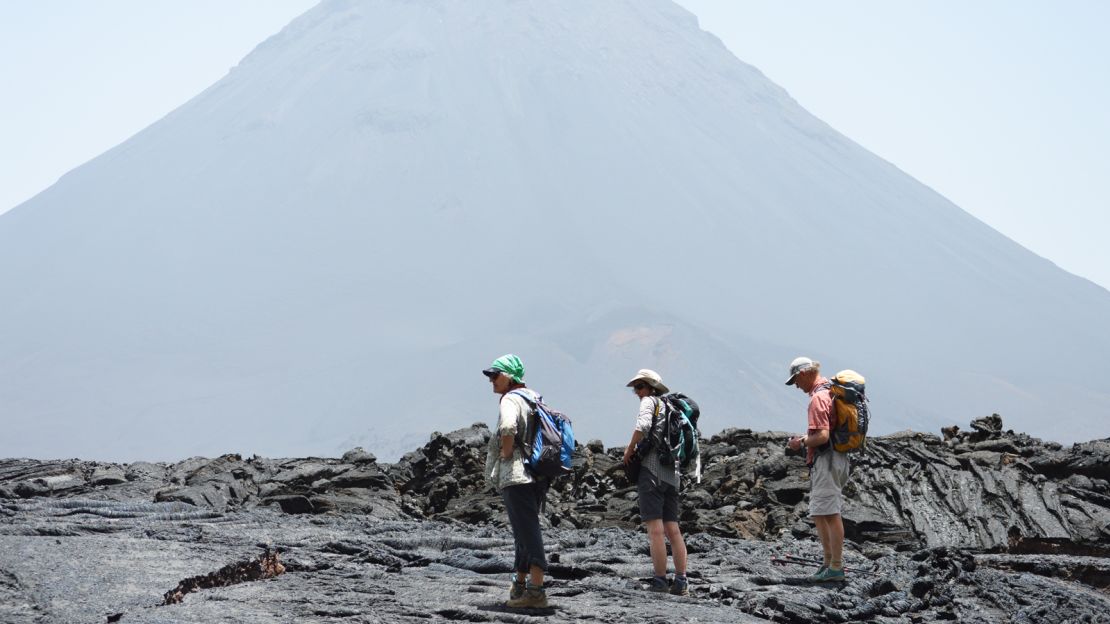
536,574
835,531
658,547
678,547
824,533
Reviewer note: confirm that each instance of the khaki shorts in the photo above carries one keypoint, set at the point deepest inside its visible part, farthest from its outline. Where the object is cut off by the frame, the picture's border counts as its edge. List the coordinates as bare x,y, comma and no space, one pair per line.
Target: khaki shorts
827,478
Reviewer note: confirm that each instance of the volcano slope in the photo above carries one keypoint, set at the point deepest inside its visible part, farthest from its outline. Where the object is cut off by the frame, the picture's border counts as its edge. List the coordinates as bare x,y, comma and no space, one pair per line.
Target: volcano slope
979,526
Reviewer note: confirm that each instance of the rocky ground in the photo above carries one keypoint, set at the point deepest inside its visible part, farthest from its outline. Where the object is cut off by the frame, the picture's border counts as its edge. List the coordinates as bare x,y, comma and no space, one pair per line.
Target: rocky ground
978,526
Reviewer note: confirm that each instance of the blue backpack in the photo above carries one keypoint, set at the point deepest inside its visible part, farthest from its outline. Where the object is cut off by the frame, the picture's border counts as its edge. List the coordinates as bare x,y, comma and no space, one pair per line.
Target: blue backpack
549,440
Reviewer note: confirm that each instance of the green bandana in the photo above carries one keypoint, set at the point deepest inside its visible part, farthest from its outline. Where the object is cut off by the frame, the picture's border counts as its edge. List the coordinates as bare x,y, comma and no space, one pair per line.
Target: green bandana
511,366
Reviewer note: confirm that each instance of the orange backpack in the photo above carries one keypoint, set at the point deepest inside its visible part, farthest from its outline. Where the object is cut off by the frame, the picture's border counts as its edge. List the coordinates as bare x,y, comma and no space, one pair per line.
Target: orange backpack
850,415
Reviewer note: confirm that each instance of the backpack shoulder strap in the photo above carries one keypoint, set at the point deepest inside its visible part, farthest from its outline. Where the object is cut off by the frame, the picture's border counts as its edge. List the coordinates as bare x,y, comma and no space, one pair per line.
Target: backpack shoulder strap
662,409
833,424
649,439
522,437
524,395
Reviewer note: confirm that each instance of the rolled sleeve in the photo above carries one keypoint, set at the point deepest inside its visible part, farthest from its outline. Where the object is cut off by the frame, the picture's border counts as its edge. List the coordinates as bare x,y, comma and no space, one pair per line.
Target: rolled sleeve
819,417
820,410
511,412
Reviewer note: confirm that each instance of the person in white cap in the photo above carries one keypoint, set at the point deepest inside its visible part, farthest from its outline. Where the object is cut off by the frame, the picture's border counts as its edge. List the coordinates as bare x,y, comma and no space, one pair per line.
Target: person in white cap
657,487
828,468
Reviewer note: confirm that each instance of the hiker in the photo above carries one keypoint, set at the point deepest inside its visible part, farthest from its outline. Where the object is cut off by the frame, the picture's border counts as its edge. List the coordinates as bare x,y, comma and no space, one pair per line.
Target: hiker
828,468
657,486
523,494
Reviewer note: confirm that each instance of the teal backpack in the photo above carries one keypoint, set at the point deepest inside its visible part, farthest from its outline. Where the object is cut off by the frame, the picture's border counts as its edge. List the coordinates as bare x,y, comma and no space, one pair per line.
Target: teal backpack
680,443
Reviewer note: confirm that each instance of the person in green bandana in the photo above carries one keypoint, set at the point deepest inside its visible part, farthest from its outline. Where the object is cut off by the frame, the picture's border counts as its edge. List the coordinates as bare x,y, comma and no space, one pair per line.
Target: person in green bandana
523,494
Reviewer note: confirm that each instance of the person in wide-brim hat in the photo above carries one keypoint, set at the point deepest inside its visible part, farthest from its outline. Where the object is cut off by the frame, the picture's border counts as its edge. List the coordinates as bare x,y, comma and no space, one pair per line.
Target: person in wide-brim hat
657,485
651,378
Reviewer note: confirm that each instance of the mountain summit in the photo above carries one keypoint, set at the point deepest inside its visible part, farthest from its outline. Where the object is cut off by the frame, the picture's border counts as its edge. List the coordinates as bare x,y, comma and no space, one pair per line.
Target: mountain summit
326,246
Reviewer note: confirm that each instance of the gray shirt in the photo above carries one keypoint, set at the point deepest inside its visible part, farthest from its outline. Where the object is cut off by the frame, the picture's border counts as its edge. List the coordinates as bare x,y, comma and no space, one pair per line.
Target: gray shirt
665,473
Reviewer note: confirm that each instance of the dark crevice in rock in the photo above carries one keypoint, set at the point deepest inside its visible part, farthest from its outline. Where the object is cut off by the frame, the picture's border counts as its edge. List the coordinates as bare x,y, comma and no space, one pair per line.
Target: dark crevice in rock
265,566
1093,574
1034,546
505,614
459,615
570,572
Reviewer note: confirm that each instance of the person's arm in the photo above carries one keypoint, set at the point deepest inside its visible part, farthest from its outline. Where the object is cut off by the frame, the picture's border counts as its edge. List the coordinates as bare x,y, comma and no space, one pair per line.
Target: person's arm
819,419
645,419
637,435
816,438
507,425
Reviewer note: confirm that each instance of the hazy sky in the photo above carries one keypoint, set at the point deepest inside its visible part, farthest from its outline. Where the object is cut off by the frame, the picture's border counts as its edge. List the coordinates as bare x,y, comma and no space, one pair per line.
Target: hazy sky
1000,105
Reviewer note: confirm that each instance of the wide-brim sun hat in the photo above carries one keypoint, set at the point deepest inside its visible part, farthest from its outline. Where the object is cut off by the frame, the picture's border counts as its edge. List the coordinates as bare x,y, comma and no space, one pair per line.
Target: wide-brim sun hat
799,365
649,377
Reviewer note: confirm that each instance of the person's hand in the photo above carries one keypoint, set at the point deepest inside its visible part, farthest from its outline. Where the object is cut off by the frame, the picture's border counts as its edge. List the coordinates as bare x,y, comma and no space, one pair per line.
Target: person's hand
795,443
627,454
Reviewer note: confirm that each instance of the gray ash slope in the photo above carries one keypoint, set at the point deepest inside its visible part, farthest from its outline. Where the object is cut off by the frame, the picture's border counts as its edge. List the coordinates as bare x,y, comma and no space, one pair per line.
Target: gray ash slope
289,246
983,526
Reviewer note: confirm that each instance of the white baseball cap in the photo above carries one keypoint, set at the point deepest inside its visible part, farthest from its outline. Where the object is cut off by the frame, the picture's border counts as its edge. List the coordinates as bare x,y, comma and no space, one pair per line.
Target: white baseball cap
800,365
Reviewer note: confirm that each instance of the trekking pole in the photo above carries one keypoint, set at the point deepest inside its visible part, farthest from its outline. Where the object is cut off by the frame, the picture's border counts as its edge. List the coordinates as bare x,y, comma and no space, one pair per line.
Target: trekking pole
792,560
802,559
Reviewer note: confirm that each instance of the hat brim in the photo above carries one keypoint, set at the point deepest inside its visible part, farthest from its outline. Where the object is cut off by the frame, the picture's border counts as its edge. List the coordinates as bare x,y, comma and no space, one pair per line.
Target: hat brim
651,382
491,372
804,370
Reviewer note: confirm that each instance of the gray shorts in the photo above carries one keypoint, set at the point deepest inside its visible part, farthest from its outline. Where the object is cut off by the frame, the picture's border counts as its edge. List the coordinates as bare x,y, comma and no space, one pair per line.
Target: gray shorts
658,499
827,478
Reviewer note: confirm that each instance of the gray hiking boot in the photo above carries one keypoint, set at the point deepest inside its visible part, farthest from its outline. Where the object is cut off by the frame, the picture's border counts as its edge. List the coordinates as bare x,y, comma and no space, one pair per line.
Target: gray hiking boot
531,598
681,586
516,590
659,584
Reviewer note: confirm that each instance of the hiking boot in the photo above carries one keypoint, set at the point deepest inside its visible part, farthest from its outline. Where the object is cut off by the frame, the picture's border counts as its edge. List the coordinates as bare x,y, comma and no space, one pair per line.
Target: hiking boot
818,575
531,598
516,590
828,575
681,586
659,584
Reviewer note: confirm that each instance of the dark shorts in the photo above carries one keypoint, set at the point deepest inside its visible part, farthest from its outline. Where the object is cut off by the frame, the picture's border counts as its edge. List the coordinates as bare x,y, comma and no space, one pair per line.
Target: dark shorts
658,499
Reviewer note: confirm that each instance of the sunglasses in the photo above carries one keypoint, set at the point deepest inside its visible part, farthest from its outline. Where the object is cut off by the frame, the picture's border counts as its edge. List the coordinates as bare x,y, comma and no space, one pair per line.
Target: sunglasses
638,386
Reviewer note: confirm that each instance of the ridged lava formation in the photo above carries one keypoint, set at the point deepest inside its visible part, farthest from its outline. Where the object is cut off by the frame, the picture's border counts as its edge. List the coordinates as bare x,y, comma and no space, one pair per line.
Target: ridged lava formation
983,526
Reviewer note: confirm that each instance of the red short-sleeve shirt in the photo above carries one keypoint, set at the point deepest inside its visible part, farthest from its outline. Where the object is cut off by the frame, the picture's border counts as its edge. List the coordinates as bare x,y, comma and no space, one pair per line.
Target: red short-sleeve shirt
819,413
